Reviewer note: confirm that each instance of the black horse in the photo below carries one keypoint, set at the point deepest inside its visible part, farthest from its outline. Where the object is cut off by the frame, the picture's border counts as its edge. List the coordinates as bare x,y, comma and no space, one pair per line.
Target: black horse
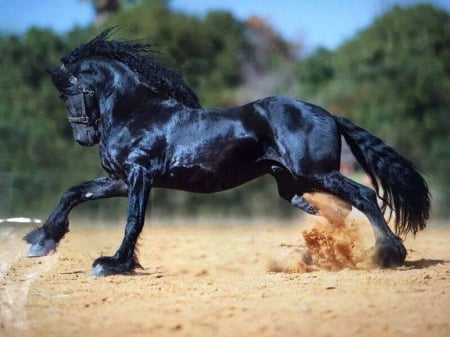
152,132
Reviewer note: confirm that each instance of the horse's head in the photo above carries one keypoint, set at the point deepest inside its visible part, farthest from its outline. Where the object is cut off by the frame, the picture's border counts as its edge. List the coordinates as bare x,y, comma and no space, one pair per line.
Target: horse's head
97,75
81,103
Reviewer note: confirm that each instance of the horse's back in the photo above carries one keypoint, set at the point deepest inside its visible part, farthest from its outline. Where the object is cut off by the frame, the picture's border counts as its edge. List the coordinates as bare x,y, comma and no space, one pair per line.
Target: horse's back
306,138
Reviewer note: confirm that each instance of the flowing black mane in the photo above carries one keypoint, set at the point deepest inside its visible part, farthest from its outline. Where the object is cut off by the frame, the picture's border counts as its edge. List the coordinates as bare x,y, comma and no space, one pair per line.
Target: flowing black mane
136,56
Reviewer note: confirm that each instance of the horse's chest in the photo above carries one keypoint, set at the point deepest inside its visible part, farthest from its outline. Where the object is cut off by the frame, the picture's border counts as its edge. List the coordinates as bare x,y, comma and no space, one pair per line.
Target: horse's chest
112,161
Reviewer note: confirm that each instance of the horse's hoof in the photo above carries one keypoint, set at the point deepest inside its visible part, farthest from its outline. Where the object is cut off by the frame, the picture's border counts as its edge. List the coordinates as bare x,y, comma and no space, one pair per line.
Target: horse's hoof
42,248
389,252
111,265
98,270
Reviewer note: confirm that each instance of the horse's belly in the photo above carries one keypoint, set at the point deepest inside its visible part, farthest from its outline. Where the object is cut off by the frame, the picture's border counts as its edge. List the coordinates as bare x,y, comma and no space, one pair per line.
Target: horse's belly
216,165
204,180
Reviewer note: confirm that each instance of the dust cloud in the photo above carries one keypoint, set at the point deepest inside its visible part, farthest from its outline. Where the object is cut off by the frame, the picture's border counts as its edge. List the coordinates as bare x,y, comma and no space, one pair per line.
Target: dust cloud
331,241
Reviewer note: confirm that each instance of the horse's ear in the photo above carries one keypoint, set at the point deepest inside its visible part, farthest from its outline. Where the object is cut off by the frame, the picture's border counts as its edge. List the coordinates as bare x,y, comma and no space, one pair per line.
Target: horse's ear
53,73
58,78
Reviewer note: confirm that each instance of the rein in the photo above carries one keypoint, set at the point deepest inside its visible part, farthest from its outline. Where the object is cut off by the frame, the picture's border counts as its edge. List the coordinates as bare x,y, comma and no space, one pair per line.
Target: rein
81,90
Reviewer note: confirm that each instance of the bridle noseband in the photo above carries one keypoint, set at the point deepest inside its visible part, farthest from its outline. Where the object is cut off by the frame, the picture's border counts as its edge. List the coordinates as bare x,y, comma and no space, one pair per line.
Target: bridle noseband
80,89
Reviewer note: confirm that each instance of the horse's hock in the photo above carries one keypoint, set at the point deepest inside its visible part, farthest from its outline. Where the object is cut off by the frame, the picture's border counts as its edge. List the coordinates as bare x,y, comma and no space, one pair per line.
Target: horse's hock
330,207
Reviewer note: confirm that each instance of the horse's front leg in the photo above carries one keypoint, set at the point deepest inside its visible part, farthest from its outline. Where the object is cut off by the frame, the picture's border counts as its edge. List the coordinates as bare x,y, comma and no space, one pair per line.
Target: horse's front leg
125,259
45,239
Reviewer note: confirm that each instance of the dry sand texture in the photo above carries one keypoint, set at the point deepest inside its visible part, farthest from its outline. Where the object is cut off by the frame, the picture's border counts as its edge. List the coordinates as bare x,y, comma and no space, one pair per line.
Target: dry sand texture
309,278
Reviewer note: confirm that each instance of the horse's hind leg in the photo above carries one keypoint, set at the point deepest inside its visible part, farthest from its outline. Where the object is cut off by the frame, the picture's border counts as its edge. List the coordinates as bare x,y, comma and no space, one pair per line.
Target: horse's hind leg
389,250
290,190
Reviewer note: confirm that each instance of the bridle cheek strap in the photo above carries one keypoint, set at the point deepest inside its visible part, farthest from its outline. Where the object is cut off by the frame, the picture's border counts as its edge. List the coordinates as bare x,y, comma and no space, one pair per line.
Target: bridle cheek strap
84,118
79,120
82,90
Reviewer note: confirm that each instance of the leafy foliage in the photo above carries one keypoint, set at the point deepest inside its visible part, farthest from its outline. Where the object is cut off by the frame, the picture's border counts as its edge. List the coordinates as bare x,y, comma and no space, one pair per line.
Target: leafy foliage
394,79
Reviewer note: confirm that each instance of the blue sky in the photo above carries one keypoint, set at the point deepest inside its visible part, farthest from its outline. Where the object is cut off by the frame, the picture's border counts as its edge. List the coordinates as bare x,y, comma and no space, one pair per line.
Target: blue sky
316,23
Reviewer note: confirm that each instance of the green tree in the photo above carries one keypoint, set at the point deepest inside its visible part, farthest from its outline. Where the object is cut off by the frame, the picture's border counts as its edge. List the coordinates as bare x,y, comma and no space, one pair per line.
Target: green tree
394,78
205,50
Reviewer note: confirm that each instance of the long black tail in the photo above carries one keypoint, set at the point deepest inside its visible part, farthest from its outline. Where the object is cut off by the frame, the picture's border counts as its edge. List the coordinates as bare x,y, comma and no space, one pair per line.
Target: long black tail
405,192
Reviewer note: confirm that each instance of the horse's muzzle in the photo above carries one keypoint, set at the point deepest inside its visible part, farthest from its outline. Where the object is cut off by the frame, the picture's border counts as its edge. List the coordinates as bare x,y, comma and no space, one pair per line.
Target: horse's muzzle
85,135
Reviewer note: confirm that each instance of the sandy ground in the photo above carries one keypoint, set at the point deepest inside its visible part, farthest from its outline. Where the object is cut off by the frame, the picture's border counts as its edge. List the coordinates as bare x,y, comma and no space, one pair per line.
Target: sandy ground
222,280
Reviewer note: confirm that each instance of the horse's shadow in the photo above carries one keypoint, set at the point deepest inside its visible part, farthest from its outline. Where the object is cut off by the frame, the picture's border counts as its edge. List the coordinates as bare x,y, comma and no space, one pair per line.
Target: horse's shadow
423,263
144,272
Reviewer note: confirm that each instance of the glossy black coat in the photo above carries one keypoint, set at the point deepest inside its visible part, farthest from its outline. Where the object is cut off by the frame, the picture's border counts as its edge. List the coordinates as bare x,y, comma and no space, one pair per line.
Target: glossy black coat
152,136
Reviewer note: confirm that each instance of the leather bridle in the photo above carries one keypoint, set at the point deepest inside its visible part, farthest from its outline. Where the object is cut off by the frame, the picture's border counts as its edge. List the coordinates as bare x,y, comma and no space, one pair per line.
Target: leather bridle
80,90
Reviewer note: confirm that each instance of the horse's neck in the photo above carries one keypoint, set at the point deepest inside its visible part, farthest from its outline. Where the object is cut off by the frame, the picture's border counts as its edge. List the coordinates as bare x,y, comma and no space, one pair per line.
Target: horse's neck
116,90
119,108
124,95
